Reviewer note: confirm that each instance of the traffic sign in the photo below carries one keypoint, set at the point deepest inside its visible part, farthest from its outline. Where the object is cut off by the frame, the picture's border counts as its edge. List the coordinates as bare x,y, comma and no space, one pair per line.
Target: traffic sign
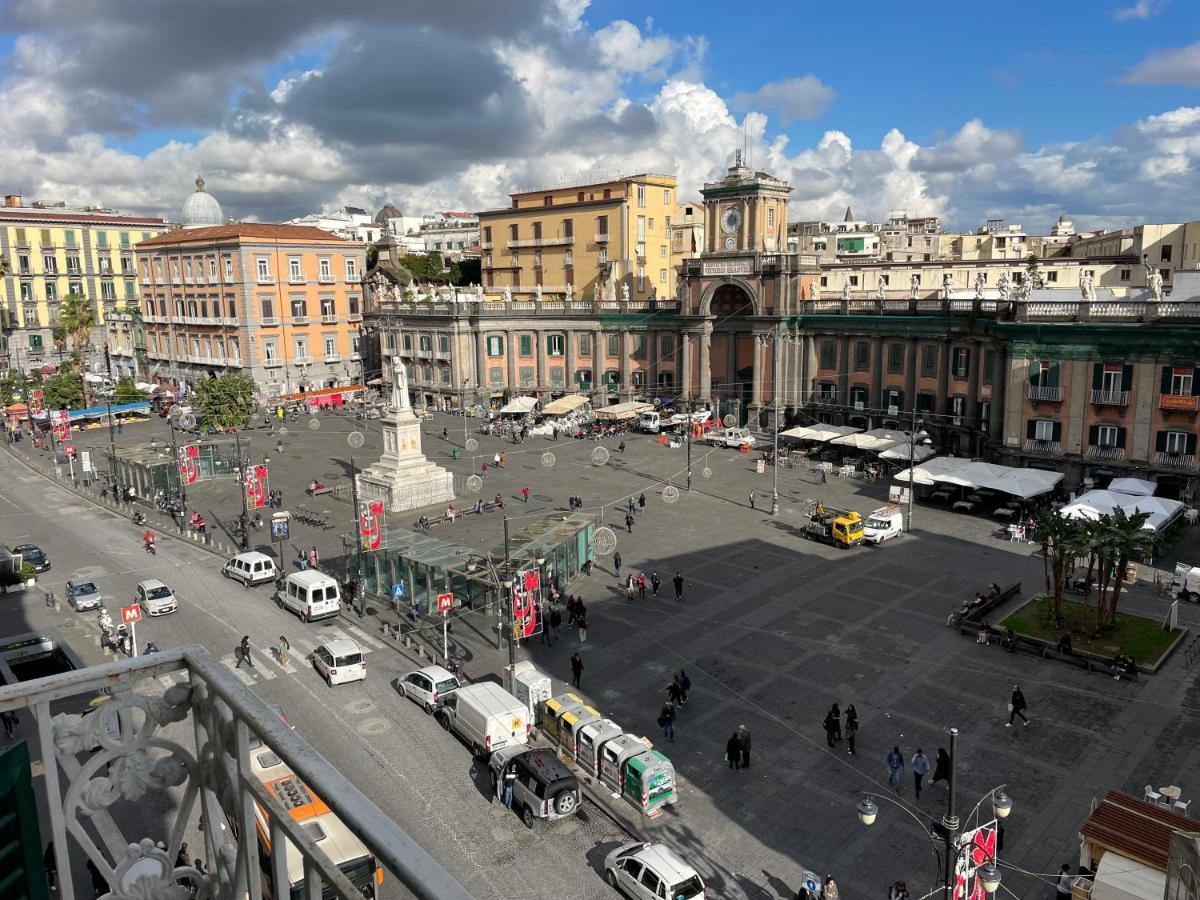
445,602
397,591
130,614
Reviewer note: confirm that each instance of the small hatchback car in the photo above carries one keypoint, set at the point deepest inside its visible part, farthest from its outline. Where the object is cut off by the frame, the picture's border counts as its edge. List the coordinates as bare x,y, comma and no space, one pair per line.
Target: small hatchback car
339,661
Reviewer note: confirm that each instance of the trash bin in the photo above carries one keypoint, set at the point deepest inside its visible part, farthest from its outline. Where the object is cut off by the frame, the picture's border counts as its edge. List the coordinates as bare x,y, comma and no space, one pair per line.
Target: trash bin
456,453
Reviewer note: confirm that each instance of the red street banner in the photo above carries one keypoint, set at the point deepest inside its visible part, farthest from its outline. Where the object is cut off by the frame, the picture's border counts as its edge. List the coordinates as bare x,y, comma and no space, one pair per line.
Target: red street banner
35,405
256,487
189,463
526,594
979,848
60,422
370,524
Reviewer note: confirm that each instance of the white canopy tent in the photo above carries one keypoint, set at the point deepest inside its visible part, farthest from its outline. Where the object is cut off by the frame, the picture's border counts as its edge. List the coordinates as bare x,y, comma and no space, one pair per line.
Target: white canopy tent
519,406
819,432
628,410
1094,504
1136,487
564,405
901,452
876,440
1121,878
1023,483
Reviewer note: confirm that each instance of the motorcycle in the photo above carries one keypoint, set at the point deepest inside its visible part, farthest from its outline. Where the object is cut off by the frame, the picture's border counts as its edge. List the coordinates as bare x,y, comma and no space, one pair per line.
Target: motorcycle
139,518
151,549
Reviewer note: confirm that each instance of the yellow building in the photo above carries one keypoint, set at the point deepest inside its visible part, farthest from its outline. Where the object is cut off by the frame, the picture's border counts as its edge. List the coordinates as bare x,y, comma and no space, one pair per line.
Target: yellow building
52,252
605,241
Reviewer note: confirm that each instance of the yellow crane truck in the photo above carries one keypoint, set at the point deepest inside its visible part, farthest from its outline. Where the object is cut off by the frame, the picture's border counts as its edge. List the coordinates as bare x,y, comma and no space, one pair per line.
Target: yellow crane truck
839,527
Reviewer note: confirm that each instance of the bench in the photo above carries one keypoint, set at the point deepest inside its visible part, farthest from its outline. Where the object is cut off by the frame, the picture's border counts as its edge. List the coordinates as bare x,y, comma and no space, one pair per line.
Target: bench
977,614
317,492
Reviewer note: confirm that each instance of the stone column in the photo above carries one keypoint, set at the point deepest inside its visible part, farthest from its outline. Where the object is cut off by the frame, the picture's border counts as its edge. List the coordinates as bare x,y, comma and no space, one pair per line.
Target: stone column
510,353
483,378
706,363
599,353
685,365
569,339
756,387
651,363
974,370
626,366
542,380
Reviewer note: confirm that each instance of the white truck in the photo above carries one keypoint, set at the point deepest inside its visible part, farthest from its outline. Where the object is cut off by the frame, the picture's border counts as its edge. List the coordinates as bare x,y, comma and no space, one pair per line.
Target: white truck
885,522
730,437
486,717
1185,584
654,421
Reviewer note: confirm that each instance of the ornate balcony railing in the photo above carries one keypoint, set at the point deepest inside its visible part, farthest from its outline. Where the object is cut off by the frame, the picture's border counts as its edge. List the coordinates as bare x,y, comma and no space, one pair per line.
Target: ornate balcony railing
127,747
1038,392
1110,398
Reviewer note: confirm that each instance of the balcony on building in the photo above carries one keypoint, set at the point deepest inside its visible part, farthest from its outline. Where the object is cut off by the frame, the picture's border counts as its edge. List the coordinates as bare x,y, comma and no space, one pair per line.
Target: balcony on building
269,321
1106,452
1110,398
1178,402
179,723
1039,393
299,320
330,319
1169,460
302,360
1035,445
271,362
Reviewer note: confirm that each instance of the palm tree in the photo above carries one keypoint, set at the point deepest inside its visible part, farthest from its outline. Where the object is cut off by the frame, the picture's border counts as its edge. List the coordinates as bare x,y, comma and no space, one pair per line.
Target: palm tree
1059,545
78,317
1128,540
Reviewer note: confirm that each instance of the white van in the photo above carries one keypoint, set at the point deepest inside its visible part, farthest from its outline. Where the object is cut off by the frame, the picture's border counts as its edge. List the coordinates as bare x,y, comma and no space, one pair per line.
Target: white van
310,595
486,717
250,568
885,522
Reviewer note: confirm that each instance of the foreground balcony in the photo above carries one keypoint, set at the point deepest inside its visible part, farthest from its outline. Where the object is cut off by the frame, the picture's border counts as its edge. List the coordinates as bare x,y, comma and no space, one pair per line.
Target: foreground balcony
118,751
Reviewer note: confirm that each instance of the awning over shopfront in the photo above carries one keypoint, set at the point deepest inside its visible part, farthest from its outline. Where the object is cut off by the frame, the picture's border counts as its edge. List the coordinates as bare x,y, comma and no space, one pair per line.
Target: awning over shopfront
1023,483
901,452
564,405
1136,487
95,412
819,432
1094,504
878,440
620,411
316,395
519,406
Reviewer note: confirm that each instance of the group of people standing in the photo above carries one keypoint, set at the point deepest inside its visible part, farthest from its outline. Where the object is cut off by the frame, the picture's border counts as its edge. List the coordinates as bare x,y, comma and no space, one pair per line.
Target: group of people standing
834,729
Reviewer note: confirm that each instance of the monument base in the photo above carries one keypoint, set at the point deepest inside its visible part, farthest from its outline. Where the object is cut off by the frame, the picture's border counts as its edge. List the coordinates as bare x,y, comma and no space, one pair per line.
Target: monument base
403,478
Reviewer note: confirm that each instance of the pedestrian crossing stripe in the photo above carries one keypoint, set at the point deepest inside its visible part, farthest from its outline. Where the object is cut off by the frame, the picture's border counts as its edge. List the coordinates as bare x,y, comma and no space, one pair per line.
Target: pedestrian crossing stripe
365,644
248,674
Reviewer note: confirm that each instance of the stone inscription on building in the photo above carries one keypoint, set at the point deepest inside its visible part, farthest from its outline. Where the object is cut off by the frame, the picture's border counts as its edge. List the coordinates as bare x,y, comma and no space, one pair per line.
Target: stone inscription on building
727,267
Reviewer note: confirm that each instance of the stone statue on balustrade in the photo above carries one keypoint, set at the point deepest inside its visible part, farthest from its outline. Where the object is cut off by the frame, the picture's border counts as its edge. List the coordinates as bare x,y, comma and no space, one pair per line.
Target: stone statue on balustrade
1004,286
1025,290
814,290
846,289
506,294
625,291
479,292
947,285
596,293
914,286
1087,285
1156,284
980,279
569,295
879,289
537,293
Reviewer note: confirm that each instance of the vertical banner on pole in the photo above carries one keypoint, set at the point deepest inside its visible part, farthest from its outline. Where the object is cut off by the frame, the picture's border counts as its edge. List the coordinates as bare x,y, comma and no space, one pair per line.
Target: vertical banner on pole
370,524
526,601
189,463
256,487
35,404
60,422
976,848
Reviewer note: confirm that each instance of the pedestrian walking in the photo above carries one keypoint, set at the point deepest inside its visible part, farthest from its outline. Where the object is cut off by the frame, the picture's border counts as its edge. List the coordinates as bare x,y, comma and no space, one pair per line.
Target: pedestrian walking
584,625
675,691
1062,890
617,564
752,499
570,610
733,751
525,493
587,568
686,684
621,446
744,743
1017,707
284,647
851,727
510,779
496,460
629,522
314,558
279,447
555,621
898,891
630,582
829,890
544,617
941,768
830,728
576,669
666,720
837,722
641,585
243,653
9,719
445,435
503,460
279,499
920,768
655,583
895,767
50,864
678,582
642,503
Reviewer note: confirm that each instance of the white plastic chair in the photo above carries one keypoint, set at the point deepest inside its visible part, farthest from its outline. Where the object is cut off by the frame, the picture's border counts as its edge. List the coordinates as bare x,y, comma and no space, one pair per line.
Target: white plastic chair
1151,795
1181,806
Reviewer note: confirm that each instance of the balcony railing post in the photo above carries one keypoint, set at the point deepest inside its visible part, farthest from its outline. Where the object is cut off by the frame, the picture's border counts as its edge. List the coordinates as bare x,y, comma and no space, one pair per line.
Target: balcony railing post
54,800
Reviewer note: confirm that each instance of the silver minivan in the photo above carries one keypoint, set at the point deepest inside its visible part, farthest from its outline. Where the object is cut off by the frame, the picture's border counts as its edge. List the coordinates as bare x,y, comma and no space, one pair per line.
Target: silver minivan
250,568
310,595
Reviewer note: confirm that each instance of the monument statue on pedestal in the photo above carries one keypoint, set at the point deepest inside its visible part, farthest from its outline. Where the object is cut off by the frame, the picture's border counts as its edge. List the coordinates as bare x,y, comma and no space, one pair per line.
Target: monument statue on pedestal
879,289
979,282
947,284
846,289
914,286
400,399
1156,284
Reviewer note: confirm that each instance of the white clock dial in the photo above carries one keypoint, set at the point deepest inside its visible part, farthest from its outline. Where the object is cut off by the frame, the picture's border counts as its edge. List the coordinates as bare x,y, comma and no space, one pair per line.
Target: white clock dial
730,243
731,219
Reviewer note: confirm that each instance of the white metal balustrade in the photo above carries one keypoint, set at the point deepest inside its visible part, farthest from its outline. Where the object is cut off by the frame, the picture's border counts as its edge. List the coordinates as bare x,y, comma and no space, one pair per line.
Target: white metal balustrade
125,751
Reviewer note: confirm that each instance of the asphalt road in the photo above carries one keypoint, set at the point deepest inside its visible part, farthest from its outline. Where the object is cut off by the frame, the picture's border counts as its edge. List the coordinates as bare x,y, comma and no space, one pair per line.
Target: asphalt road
418,774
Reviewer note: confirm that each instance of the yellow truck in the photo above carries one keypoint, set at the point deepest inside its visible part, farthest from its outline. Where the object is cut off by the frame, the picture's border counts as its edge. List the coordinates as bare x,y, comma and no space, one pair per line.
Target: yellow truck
839,527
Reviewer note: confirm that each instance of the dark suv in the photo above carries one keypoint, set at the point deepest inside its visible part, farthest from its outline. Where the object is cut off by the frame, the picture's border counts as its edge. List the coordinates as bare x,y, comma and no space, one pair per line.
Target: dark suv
544,789
33,554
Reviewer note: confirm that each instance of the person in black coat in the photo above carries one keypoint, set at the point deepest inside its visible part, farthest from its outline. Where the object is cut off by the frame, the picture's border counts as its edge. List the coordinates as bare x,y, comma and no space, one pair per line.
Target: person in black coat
733,751
941,769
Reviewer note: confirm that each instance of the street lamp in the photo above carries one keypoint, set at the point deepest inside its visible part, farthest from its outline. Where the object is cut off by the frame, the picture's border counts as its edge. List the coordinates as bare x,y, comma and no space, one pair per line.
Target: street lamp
775,338
913,437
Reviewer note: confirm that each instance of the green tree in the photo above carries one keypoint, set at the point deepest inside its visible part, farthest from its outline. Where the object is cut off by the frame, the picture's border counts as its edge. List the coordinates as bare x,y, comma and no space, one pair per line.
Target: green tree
58,334
10,386
466,271
1060,544
78,317
226,401
427,267
1127,540
126,391
1033,272
63,389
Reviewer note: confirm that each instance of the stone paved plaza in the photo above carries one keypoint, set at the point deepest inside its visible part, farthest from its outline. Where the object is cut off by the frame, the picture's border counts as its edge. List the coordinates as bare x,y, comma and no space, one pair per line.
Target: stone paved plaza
773,629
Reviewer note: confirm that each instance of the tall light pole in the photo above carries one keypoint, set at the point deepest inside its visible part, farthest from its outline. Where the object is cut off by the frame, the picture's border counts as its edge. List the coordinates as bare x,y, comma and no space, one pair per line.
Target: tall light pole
775,338
463,403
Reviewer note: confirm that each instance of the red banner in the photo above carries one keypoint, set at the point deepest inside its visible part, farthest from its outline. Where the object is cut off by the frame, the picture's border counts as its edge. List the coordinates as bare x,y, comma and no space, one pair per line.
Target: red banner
35,405
526,593
189,463
256,487
60,421
370,524
978,848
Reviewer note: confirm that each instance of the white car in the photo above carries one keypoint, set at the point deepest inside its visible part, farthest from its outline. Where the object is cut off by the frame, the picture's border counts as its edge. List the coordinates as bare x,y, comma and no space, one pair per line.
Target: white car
155,598
339,661
428,687
84,595
650,872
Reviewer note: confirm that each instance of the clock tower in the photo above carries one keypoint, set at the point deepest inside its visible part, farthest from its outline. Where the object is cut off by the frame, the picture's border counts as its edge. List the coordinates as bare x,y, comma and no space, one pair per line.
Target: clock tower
745,212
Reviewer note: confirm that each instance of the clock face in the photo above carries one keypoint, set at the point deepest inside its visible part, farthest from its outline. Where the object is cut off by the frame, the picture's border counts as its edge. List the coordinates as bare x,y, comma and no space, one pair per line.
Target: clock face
731,219
730,243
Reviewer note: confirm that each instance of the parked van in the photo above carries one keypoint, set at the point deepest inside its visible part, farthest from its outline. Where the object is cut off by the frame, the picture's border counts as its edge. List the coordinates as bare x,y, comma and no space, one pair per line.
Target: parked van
310,595
731,437
650,422
885,522
250,568
486,717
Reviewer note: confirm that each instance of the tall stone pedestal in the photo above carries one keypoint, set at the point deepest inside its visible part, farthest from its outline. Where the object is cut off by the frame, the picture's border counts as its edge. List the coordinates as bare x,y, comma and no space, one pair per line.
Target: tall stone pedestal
403,478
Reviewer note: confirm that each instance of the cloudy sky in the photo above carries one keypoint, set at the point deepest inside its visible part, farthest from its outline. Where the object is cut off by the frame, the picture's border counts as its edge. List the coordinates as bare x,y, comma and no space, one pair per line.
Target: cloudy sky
1084,107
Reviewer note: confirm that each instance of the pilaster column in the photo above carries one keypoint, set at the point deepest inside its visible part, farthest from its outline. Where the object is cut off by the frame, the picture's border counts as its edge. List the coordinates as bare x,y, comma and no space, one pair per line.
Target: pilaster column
706,363
599,356
626,364
484,376
756,387
569,339
651,363
510,353
685,365
542,380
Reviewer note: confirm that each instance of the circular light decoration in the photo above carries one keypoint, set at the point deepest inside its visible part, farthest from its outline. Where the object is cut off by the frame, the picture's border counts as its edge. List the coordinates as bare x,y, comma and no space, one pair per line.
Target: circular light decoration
599,456
283,432
187,420
670,494
314,424
706,472
604,541
548,459
472,445
729,420
355,439
474,484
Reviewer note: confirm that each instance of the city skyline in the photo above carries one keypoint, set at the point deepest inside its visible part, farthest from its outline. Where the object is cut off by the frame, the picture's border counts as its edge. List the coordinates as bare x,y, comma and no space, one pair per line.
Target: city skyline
452,109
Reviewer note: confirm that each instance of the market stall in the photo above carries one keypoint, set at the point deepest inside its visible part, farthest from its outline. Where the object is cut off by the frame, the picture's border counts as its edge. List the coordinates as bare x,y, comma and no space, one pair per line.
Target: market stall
621,412
1094,504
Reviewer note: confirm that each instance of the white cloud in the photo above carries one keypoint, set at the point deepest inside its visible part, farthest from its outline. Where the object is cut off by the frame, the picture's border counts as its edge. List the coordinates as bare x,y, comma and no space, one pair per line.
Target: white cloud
1142,9
1179,65
623,47
805,97
284,88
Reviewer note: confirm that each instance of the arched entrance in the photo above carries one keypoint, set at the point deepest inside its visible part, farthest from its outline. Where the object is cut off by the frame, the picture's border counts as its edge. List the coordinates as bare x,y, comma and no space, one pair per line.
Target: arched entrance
731,358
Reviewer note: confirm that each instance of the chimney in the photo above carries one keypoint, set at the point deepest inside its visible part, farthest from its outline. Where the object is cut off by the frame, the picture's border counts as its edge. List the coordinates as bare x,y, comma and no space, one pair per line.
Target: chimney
12,200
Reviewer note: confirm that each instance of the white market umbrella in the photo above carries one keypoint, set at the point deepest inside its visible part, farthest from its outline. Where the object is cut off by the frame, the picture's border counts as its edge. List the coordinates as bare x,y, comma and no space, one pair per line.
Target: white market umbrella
1136,487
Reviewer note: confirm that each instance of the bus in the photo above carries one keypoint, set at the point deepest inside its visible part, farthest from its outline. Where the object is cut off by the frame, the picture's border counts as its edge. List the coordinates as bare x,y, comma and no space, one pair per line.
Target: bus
337,841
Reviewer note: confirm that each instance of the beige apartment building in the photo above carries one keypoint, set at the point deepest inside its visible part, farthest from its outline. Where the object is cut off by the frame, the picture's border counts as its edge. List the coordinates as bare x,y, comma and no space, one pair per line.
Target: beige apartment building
609,240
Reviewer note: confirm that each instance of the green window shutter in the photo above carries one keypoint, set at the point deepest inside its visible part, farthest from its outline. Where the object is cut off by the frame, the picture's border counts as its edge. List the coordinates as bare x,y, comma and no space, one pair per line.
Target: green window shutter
1191,444
1160,442
1031,429
1097,376
1121,438
526,345
1056,435
1093,435
1052,375
22,874
1127,378
1165,381
1196,381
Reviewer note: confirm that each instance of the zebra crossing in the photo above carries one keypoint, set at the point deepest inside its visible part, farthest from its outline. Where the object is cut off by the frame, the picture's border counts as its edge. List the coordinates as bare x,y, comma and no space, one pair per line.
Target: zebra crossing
267,665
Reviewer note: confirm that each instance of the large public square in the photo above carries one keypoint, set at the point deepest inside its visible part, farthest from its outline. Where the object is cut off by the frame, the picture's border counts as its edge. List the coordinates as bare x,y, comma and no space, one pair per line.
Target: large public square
773,629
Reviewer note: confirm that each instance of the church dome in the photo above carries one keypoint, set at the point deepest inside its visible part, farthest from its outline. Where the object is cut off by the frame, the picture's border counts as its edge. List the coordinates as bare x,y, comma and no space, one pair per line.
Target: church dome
388,211
201,208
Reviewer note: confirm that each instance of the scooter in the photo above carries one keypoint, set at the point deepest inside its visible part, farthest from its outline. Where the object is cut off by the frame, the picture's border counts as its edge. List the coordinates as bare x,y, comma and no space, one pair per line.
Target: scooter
151,549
